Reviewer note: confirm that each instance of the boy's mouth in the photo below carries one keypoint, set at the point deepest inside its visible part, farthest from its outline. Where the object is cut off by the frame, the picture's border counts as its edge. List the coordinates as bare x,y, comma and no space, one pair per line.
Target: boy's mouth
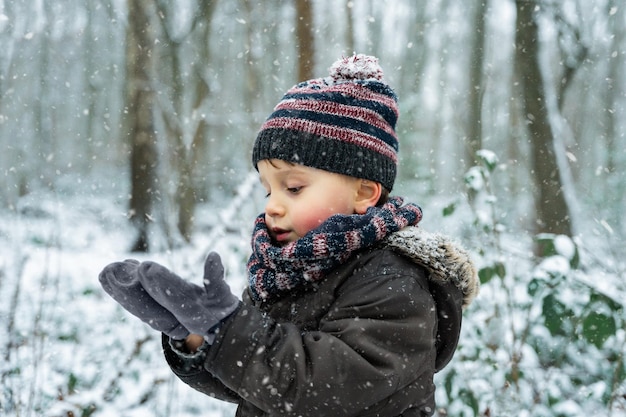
280,235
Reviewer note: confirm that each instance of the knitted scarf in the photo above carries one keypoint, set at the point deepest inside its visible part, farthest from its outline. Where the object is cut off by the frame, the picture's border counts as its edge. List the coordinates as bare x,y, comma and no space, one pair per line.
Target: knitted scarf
275,270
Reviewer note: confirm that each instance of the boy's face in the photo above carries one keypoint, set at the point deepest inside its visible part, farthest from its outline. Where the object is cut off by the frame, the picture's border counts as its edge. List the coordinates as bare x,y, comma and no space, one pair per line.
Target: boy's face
300,198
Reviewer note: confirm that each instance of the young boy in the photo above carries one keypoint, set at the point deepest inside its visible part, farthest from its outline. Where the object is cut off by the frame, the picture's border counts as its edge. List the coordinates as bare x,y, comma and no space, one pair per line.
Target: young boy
351,309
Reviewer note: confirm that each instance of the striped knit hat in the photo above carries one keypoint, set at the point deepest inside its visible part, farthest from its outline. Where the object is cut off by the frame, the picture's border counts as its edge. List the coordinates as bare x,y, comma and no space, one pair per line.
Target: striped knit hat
344,123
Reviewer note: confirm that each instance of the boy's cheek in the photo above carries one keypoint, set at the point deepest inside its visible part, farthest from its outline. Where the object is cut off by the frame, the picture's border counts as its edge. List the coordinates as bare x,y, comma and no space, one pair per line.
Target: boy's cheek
309,222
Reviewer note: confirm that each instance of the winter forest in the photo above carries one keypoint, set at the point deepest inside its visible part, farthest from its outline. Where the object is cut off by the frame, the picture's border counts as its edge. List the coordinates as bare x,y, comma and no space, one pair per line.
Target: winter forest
126,129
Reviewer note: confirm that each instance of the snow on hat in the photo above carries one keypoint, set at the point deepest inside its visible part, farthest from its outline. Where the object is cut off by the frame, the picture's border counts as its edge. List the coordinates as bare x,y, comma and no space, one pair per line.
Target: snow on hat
344,123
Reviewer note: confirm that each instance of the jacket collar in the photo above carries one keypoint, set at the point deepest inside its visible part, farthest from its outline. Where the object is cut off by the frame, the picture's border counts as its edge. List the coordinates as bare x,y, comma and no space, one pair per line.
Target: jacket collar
444,259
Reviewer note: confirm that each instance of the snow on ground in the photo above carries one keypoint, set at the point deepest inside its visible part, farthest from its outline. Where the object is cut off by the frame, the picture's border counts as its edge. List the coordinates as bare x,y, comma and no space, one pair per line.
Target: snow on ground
68,349
67,346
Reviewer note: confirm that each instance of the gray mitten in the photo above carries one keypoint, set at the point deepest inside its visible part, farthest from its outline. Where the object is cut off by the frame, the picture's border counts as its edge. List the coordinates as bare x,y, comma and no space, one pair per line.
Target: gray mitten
121,280
199,309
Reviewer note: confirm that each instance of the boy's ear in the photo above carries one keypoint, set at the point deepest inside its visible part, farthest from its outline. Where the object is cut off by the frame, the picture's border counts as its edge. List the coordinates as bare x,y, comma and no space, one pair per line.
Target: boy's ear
368,194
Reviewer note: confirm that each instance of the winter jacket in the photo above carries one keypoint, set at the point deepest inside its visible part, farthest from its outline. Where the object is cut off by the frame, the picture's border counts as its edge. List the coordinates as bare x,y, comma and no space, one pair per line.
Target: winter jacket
364,341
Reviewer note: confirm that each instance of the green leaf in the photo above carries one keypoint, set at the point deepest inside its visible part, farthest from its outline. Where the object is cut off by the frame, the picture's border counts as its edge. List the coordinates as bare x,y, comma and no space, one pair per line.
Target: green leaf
598,327
449,209
534,286
469,398
72,383
500,269
488,158
475,179
485,274
545,244
598,297
575,261
555,315
620,372
449,382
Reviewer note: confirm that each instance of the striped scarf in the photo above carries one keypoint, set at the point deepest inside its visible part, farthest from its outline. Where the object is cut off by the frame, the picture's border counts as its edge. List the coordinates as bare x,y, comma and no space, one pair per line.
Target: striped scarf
275,270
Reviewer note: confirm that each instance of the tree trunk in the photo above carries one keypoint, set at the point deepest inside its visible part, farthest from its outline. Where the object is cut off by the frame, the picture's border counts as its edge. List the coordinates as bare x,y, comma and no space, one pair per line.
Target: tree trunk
614,92
552,212
614,158
474,119
305,39
350,48
184,198
44,116
187,156
139,106
252,92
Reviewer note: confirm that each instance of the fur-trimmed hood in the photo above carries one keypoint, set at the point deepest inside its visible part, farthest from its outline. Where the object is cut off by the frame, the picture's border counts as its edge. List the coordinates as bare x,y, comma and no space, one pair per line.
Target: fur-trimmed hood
444,259
453,281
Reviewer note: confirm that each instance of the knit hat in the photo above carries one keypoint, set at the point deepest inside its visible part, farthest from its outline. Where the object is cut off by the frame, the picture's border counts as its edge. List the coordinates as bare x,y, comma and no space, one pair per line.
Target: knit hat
344,123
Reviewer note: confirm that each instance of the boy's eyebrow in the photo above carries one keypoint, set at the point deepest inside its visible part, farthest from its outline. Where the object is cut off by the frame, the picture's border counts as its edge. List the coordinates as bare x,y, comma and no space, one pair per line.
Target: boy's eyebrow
262,181
283,172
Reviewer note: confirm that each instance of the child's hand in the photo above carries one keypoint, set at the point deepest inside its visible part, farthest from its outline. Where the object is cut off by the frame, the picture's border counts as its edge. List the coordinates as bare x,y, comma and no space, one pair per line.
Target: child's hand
121,281
199,309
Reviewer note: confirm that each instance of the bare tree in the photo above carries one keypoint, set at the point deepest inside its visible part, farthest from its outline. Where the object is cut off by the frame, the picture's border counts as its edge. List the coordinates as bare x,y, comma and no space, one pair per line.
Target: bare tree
185,154
552,211
350,48
251,93
616,79
305,39
476,91
140,118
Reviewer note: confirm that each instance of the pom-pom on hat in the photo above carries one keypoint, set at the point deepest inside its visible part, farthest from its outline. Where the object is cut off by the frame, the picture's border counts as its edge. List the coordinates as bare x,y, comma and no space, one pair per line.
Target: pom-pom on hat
344,123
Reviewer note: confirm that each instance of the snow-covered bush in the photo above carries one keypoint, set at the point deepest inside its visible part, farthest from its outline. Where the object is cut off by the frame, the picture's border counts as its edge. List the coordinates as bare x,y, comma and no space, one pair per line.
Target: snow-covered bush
545,337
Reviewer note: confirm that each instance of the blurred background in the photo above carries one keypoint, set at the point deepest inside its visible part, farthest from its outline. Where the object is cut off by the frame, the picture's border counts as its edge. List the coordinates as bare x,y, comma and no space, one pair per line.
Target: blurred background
171,94
126,130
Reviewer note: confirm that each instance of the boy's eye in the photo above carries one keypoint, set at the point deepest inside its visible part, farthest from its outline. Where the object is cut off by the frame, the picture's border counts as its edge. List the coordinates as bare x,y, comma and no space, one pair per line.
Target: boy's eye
294,190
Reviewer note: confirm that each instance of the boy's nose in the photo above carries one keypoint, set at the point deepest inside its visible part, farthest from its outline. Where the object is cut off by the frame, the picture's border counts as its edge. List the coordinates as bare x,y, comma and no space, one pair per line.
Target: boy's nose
274,207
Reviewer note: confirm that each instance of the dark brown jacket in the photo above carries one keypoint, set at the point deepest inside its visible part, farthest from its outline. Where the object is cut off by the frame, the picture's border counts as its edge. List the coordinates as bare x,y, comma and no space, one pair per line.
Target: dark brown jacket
366,341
